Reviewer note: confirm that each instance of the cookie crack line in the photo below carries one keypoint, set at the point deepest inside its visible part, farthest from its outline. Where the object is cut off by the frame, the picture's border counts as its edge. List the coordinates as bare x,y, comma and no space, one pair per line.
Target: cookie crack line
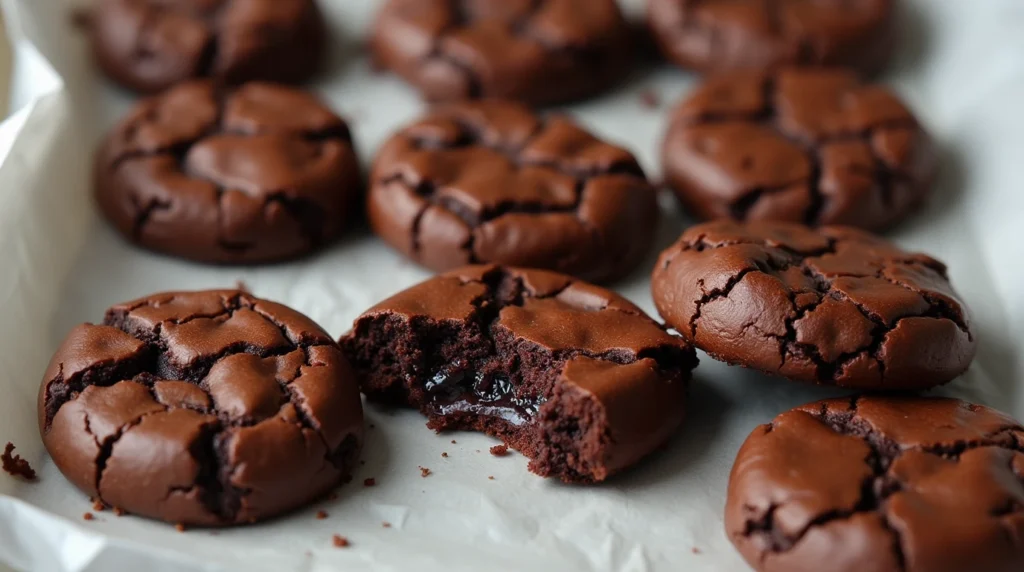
519,28
880,485
768,115
150,363
827,371
471,136
309,215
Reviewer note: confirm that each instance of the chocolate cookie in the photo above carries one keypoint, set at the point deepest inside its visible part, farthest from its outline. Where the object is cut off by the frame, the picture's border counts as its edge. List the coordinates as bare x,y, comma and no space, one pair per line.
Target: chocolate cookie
721,35
536,51
151,45
836,306
491,181
575,377
208,408
258,174
881,484
803,145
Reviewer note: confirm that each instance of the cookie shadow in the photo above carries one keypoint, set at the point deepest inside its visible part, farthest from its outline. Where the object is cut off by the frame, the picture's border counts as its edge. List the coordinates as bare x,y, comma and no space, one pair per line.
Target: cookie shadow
375,458
913,35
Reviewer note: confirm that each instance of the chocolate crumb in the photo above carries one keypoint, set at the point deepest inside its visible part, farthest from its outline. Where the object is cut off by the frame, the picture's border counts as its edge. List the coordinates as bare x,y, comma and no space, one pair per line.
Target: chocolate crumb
499,450
424,472
88,516
444,454
372,426
361,463
386,524
369,482
98,506
650,99
339,541
490,477
118,511
321,514
179,527
453,441
695,550
241,286
15,466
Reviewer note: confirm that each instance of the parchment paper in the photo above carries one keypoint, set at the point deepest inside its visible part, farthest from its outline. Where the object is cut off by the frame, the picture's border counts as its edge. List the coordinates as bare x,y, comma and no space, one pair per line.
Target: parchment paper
961,67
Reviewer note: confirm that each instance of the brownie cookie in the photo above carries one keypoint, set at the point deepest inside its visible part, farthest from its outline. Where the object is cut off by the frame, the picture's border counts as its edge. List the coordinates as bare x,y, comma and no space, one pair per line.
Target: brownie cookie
722,35
836,306
803,145
208,408
151,45
881,484
536,51
490,181
258,174
575,377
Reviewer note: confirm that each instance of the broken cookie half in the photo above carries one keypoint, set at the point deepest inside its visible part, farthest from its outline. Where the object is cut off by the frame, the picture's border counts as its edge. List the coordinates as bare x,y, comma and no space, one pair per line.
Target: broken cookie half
574,376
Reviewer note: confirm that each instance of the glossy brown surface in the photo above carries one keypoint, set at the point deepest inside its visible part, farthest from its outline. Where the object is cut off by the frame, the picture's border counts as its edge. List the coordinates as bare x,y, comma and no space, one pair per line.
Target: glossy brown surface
835,306
256,174
491,181
535,51
901,484
209,408
723,35
572,375
801,145
151,45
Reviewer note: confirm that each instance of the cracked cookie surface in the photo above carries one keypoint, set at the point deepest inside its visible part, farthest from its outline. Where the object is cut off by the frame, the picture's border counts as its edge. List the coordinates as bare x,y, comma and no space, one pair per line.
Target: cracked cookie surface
574,376
724,35
834,306
802,145
260,173
887,484
491,181
206,408
151,45
535,51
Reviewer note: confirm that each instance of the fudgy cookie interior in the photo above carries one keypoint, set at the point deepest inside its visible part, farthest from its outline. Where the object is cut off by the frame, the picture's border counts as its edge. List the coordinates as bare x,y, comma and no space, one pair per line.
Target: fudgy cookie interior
534,360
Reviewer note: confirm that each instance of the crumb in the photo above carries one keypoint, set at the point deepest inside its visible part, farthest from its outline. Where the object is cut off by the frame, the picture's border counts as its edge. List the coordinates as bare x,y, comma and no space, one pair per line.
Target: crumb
332,496
321,514
179,527
490,478
695,550
88,516
444,454
81,19
241,286
369,482
478,450
339,541
499,450
98,506
15,465
453,441
650,99
372,426
424,472
386,524
118,511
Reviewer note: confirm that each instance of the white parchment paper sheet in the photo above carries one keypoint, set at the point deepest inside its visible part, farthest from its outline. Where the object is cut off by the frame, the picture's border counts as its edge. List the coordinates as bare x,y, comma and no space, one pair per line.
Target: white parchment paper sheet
961,66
